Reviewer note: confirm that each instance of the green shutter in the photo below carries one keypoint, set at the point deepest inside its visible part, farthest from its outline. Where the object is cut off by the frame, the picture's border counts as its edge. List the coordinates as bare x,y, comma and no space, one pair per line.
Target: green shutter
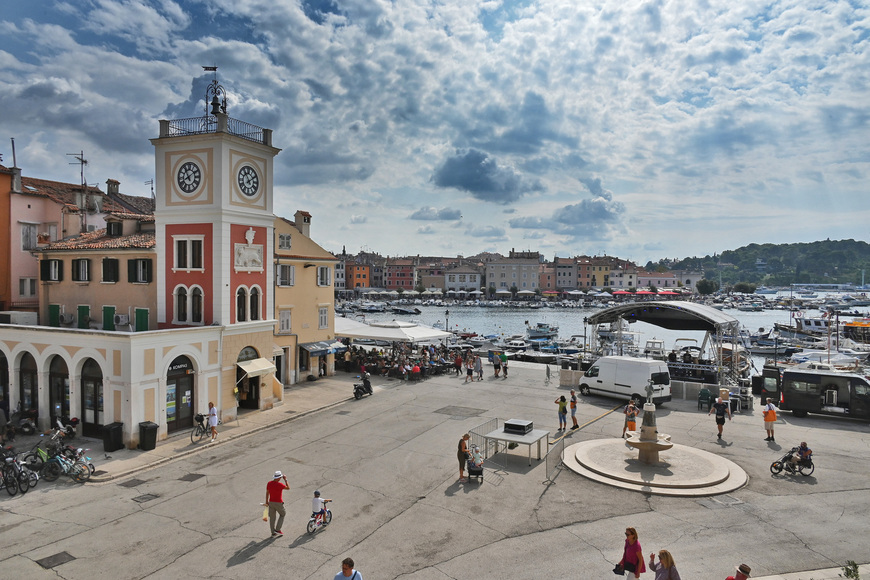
108,318
141,319
84,316
54,314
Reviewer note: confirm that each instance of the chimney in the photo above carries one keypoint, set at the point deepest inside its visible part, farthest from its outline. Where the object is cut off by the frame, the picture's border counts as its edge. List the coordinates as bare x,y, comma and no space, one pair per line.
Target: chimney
112,187
303,222
16,179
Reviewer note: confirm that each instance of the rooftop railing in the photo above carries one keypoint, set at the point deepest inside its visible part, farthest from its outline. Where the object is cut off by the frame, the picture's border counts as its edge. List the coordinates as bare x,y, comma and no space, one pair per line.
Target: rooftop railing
215,124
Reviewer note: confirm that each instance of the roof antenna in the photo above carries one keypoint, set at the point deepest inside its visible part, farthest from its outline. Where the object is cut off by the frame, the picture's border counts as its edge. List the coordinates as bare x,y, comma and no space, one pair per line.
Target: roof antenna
81,162
151,183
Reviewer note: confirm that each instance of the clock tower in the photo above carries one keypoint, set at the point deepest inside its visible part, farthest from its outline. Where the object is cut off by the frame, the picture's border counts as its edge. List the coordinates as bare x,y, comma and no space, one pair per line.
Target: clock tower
214,221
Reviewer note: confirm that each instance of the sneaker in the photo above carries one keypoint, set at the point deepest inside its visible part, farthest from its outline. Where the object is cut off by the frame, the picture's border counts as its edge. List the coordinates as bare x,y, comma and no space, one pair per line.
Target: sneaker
575,427
718,435
274,534
767,438
772,439
463,480
279,532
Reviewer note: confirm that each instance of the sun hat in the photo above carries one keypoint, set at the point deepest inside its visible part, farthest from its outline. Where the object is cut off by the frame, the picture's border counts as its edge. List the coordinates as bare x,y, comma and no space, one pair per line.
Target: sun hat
278,475
744,569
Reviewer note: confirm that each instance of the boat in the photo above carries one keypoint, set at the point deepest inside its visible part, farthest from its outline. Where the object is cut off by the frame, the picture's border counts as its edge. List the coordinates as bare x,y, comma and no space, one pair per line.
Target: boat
409,311
542,330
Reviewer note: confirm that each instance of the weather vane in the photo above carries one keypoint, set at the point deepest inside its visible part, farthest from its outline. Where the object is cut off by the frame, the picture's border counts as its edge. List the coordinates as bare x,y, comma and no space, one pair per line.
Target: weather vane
215,95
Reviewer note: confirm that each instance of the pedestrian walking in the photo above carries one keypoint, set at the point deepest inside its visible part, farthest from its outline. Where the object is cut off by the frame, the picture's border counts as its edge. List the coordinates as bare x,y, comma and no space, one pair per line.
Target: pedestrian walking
212,420
632,555
769,412
573,406
563,412
504,363
469,370
665,568
457,364
630,423
721,407
462,455
496,363
275,501
348,571
742,573
478,367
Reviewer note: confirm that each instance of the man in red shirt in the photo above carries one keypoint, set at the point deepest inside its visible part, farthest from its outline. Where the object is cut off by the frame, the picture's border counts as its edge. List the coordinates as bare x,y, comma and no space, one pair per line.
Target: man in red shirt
275,501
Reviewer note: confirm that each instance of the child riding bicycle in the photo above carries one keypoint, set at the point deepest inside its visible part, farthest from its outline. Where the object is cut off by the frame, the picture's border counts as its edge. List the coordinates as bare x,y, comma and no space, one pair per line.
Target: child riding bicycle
318,506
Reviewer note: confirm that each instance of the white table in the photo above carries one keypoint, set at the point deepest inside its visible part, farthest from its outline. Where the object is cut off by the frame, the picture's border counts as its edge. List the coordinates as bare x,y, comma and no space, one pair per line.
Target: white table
533,436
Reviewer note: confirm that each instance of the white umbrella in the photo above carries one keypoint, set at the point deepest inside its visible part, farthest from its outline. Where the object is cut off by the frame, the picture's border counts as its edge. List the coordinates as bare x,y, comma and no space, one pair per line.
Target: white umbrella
525,292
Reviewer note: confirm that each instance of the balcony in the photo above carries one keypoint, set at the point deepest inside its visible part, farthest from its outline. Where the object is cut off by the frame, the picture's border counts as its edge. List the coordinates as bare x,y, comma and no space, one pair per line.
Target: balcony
215,124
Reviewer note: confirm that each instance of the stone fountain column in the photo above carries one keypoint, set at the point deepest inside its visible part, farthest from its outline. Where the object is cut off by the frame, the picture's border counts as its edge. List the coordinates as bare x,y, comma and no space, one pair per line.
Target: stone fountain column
649,442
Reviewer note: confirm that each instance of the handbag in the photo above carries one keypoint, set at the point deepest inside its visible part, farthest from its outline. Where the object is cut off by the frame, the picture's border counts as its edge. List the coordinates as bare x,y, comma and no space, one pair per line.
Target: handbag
619,570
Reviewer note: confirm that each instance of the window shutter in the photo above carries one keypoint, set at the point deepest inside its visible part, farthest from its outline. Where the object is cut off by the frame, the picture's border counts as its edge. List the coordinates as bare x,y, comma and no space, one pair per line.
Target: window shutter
45,270
147,270
59,270
131,271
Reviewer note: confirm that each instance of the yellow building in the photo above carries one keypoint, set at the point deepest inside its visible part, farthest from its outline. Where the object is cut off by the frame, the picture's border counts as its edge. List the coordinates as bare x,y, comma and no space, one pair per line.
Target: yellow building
304,303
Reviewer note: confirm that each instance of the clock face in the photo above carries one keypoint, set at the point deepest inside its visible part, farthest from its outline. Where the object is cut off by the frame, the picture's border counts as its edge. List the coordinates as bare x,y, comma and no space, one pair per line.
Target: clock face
189,177
249,181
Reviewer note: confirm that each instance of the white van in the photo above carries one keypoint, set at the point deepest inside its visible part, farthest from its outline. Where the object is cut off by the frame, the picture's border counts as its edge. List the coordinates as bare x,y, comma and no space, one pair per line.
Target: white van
625,377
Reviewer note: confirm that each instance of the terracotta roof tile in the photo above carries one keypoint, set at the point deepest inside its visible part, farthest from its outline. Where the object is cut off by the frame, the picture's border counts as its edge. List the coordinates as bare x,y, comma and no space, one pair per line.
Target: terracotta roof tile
98,240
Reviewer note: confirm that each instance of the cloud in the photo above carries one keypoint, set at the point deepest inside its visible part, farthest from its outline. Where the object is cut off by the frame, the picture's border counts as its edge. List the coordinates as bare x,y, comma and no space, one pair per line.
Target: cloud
426,230
358,219
493,232
481,175
431,213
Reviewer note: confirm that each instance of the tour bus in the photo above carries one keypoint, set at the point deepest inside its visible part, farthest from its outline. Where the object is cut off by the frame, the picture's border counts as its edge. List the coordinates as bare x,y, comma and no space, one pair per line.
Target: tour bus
625,377
825,392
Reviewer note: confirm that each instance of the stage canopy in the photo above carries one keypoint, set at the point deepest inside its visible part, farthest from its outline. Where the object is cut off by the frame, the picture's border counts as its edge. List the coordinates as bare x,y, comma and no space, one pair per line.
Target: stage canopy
672,314
395,330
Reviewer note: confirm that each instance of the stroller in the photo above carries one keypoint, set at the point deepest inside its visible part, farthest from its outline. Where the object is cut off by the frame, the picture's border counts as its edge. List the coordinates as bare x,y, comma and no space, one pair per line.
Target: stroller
474,470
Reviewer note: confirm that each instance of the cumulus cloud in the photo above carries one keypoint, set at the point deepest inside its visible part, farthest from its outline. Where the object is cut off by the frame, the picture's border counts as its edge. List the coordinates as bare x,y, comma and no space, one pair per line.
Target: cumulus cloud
492,232
432,213
358,219
426,230
483,177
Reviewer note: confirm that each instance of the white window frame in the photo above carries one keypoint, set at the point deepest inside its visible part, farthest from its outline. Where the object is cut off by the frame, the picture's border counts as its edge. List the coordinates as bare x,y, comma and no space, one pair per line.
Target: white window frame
81,269
54,270
324,276
27,287
188,240
323,317
286,275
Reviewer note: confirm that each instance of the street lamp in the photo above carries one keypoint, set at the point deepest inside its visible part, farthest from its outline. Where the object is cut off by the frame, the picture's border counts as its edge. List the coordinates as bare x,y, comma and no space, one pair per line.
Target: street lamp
447,320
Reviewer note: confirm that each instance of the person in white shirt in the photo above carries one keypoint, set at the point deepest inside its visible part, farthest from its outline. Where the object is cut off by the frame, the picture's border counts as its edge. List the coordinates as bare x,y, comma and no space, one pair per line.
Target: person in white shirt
347,571
318,505
212,420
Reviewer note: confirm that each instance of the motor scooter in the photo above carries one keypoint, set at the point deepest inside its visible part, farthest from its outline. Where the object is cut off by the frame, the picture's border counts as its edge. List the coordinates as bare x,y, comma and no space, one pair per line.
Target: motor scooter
23,422
67,426
363,388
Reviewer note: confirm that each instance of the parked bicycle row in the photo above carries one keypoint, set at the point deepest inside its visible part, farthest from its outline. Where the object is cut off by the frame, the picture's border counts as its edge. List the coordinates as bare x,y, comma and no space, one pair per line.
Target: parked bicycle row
50,458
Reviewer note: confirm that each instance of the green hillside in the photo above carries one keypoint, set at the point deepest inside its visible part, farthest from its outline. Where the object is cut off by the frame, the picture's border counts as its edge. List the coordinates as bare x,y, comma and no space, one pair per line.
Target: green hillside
825,262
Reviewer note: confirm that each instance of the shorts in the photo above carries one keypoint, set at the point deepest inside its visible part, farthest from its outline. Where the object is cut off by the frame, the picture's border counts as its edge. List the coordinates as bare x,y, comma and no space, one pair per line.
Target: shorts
631,425
768,425
573,411
562,416
469,372
720,420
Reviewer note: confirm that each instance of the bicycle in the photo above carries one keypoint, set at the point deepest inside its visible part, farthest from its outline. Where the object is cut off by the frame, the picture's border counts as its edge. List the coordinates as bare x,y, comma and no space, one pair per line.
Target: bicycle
316,522
200,430
78,469
16,478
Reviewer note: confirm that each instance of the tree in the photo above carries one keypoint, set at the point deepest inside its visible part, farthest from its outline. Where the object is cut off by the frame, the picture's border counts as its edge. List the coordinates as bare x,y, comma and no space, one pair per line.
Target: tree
491,291
400,290
706,287
744,288
420,288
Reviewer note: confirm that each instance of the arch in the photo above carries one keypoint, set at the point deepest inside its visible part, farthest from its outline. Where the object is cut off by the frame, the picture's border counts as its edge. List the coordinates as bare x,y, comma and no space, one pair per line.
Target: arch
92,397
28,382
180,306
58,388
180,393
255,294
248,386
196,305
241,304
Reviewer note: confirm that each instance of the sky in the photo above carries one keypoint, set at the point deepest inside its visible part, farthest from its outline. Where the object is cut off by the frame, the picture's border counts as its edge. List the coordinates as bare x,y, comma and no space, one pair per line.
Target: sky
637,129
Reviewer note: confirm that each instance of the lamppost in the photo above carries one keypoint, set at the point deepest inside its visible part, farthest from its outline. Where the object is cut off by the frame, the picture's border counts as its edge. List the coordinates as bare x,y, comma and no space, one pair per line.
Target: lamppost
447,320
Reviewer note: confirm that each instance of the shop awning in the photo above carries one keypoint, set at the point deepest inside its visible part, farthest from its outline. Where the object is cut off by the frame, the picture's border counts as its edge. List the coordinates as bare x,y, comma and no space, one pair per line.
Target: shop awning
323,347
257,367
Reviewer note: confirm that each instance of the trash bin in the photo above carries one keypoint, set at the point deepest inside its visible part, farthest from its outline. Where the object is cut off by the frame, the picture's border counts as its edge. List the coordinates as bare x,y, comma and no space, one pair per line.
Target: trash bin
147,436
113,437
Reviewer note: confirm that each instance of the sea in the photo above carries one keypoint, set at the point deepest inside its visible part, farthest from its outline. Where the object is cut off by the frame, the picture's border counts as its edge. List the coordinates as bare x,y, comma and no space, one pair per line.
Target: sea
505,322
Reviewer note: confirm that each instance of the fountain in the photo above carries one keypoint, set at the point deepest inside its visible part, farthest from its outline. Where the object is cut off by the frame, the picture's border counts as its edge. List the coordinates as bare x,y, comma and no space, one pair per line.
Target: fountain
649,442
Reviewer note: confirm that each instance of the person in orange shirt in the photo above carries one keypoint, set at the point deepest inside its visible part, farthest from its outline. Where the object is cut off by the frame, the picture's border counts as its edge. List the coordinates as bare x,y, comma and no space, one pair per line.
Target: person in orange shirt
769,419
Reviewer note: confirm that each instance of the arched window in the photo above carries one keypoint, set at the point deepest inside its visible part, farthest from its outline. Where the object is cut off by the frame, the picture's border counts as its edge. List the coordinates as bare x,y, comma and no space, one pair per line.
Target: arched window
255,303
196,305
181,304
241,304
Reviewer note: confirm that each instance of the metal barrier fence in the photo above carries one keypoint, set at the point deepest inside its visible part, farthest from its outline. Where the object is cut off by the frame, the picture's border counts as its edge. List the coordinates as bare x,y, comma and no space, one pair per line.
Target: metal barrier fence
553,458
478,437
